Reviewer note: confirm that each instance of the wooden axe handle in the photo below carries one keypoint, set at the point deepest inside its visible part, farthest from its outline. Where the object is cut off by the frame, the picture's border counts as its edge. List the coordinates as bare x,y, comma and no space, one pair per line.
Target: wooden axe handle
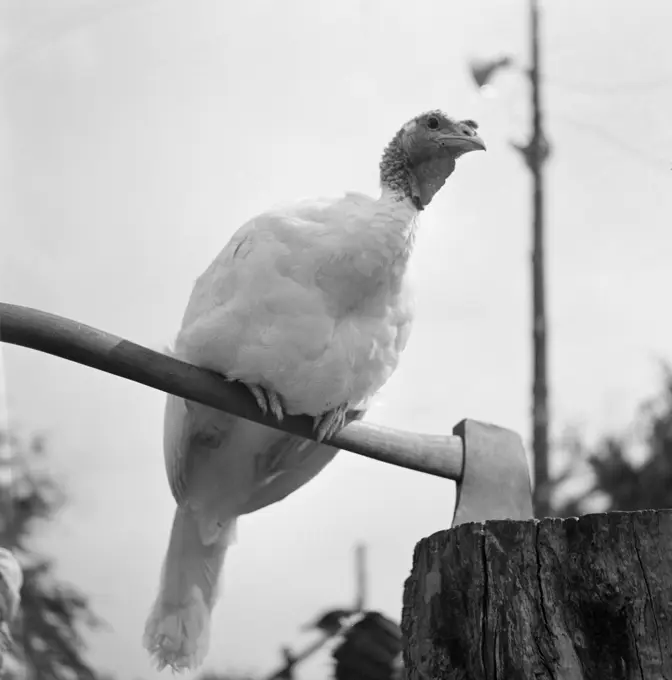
439,455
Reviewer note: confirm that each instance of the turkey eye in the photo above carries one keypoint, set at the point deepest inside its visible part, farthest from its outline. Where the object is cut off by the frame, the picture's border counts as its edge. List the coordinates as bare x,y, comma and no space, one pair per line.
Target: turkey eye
433,123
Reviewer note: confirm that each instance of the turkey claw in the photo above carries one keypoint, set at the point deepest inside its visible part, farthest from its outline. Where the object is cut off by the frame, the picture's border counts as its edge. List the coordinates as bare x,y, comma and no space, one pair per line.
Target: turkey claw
267,401
326,425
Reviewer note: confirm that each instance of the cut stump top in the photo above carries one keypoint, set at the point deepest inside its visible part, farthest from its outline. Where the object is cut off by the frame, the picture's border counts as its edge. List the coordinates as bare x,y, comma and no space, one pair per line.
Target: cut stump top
557,599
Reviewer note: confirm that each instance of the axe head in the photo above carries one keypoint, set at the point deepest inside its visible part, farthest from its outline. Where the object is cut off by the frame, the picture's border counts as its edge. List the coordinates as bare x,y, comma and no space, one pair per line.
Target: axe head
495,481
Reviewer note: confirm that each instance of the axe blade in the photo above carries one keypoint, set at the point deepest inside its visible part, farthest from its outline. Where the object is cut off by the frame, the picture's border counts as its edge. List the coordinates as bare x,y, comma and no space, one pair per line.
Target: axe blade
495,481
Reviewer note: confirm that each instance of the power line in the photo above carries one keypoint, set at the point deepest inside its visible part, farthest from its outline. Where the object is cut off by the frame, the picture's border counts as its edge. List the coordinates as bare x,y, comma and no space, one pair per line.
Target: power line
622,88
657,162
516,117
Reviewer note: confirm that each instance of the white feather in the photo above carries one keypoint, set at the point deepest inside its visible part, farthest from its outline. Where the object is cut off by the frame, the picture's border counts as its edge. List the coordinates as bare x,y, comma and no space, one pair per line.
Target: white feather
178,629
310,302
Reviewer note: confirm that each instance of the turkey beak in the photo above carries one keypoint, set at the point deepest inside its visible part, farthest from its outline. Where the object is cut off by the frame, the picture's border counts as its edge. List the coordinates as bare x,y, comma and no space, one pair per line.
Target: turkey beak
463,139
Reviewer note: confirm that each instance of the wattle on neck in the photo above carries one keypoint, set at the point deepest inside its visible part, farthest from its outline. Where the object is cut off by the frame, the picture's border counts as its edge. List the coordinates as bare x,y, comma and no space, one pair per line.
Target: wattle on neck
418,177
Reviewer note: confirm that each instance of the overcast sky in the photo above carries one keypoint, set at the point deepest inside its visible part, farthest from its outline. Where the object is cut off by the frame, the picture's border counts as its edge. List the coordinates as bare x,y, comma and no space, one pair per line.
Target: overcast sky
137,135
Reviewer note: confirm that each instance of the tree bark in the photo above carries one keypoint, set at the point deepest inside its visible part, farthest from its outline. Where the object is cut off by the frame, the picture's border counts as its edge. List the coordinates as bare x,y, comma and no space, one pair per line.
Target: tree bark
574,599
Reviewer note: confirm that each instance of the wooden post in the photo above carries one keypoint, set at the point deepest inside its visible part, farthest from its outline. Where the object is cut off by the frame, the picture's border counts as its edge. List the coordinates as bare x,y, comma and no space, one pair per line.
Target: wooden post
536,156
573,599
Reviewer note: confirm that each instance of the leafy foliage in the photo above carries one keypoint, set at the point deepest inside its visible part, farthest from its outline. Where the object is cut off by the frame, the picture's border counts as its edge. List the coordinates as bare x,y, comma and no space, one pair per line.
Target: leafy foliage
47,633
631,471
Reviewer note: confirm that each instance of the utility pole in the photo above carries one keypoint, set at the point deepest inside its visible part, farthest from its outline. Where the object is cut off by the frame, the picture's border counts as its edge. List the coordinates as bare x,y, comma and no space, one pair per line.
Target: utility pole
332,623
535,153
361,578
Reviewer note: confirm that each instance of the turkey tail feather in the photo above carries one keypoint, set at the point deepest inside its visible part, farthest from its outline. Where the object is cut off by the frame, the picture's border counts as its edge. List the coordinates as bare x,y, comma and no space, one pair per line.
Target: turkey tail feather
177,632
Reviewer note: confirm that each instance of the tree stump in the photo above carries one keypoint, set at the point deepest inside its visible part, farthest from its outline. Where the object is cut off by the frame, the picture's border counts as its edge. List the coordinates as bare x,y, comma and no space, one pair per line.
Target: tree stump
586,598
